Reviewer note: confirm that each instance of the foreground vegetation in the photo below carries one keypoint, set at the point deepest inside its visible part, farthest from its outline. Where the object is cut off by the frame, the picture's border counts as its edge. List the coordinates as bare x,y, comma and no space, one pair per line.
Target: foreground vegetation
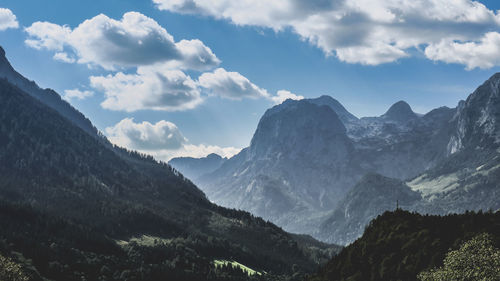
400,245
476,260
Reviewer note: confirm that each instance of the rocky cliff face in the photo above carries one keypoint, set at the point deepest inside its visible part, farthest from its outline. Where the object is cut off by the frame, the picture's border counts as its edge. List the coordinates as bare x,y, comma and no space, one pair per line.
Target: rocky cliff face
477,119
297,166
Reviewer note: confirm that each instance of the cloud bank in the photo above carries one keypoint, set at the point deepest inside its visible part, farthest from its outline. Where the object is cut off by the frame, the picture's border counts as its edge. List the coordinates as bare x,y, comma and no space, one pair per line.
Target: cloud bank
369,32
134,40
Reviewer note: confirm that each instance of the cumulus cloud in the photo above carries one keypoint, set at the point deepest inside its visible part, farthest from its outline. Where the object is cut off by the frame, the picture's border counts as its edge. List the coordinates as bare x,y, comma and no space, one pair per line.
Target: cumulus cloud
157,87
151,87
283,95
77,94
484,53
64,57
7,19
163,140
230,85
365,31
135,40
195,55
146,136
47,35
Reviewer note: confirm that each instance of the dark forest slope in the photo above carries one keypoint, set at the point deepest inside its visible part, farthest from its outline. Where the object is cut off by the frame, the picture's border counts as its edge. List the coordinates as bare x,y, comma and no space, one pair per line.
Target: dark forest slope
398,245
95,209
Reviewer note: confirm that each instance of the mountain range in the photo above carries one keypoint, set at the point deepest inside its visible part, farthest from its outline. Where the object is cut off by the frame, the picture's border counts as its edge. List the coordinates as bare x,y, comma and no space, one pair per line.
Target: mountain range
312,167
73,206
193,168
101,212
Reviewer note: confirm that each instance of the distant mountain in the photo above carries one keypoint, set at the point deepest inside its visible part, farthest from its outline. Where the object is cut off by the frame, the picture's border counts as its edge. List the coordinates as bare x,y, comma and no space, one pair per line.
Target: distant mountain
299,164
104,213
306,155
193,168
371,196
466,179
400,112
345,116
399,245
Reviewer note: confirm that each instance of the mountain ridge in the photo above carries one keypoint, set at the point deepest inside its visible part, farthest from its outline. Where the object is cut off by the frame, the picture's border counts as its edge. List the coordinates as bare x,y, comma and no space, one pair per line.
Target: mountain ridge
399,144
47,96
51,166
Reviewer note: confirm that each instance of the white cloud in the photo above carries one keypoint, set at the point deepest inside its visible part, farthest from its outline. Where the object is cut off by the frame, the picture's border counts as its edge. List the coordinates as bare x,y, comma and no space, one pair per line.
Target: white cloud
48,36
157,87
163,140
77,94
230,85
64,57
362,31
483,54
146,136
152,87
283,95
195,55
373,55
7,19
135,40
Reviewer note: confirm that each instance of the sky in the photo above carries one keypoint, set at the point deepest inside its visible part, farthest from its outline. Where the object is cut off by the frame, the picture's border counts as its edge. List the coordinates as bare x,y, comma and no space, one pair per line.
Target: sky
192,77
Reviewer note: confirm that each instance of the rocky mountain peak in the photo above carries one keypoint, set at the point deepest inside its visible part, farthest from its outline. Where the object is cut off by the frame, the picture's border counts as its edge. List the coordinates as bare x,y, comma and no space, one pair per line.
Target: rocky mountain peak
214,156
336,106
400,111
294,123
478,118
5,67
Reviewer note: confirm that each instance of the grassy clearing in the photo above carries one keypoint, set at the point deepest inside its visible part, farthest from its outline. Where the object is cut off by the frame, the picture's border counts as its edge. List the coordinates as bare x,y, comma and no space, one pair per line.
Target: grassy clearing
144,240
245,268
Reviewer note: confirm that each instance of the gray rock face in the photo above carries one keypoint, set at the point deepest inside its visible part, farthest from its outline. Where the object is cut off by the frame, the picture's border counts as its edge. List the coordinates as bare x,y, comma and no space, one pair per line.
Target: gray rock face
296,168
477,119
193,168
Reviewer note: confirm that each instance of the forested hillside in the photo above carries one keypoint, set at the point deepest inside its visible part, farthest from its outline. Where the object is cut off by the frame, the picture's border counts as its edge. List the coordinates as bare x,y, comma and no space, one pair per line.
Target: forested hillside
103,213
399,245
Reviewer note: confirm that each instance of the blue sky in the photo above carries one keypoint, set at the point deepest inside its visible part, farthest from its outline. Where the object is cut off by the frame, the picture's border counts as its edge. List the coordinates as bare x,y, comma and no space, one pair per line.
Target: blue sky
252,55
